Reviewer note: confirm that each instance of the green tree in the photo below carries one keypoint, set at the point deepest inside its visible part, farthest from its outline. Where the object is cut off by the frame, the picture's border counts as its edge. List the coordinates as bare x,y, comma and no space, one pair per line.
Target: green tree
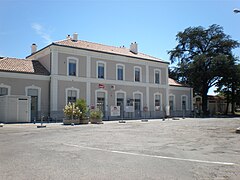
229,86
202,55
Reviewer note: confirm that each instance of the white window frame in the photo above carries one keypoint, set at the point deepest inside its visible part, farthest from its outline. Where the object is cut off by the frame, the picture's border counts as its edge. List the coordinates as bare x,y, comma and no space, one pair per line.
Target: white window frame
106,97
174,102
155,71
123,66
187,108
68,61
125,96
161,105
39,94
6,86
105,69
140,69
70,89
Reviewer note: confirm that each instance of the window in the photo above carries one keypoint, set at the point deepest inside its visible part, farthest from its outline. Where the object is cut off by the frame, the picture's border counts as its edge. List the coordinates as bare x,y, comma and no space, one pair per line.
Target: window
120,72
3,91
71,96
101,100
101,71
157,76
72,66
171,102
184,102
157,102
130,102
137,74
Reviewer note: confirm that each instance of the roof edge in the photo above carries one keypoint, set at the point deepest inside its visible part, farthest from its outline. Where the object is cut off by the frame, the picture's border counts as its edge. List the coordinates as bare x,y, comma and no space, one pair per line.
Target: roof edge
165,62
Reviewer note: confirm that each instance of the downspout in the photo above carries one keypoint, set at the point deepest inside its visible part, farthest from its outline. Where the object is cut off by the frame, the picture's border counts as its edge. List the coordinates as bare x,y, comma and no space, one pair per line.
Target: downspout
49,107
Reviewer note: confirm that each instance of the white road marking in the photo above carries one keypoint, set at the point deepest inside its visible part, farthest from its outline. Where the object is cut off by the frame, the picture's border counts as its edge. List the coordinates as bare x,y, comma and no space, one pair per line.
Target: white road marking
152,156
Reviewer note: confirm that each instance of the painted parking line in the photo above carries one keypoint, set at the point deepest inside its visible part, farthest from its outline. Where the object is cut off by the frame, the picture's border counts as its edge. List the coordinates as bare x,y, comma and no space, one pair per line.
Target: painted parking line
152,156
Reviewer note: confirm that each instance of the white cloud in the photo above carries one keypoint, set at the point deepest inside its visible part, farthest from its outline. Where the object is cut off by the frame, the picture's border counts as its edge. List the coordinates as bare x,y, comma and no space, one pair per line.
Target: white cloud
40,30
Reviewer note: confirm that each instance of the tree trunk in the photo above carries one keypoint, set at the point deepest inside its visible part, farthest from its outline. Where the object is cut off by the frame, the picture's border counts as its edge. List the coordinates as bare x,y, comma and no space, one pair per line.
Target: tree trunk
233,99
226,111
205,102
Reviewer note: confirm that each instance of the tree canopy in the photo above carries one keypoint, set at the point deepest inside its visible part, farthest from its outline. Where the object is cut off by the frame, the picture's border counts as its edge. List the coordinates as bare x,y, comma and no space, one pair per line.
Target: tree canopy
202,57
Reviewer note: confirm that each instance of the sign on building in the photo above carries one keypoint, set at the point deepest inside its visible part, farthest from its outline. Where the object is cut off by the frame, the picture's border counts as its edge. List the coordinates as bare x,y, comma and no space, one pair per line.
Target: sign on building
115,110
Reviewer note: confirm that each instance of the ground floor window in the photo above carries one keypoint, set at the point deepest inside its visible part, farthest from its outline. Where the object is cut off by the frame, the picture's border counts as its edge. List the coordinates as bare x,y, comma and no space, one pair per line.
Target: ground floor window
3,91
171,102
72,96
184,102
157,102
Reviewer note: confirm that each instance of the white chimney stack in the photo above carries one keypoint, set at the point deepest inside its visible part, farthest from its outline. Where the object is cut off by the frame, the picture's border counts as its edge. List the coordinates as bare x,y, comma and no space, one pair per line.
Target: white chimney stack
134,48
33,48
68,36
75,36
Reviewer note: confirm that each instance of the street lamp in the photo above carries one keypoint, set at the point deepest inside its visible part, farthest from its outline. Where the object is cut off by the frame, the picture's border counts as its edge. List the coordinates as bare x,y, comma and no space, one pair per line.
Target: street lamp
236,10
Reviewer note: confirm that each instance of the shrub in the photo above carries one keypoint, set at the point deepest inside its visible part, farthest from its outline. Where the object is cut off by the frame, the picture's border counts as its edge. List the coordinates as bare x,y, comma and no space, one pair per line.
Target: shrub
96,113
71,111
81,104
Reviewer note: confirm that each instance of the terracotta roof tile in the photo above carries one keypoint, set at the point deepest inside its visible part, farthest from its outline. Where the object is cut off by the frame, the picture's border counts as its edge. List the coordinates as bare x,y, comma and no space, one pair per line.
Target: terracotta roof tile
172,82
105,48
23,66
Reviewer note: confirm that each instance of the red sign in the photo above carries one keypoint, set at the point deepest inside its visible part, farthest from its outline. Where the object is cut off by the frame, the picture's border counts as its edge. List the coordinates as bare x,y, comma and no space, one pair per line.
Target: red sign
101,86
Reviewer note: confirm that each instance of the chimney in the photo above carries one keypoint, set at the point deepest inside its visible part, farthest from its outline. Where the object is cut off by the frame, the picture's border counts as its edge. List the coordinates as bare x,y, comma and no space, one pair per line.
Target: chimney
33,48
68,36
134,48
75,36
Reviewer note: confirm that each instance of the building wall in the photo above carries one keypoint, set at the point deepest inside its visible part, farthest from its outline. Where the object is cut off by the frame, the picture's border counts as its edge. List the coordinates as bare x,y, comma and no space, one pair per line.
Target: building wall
45,61
87,83
18,83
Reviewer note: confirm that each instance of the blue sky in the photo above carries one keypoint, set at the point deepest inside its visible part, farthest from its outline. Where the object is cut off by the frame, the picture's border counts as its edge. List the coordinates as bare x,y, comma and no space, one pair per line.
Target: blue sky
153,24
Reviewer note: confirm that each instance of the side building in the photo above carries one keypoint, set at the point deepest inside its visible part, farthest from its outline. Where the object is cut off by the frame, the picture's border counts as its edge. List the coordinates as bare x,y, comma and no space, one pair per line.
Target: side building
103,75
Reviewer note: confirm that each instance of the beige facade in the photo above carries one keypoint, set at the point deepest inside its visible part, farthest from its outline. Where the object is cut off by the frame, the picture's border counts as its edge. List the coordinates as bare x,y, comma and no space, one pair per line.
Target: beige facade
104,76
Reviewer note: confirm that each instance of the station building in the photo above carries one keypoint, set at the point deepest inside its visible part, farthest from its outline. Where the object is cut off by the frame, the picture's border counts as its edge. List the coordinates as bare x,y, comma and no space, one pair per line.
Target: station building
103,75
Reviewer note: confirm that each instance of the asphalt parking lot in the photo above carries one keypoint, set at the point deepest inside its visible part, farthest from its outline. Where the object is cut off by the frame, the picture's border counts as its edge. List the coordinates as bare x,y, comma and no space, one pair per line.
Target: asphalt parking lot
171,149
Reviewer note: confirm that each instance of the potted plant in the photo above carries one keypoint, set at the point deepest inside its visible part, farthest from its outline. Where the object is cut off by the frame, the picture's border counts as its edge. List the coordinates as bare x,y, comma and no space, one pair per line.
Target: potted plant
96,116
72,114
81,104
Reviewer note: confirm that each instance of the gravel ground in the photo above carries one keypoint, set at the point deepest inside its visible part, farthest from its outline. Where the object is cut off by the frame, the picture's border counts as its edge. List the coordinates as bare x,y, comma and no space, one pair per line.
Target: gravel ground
171,149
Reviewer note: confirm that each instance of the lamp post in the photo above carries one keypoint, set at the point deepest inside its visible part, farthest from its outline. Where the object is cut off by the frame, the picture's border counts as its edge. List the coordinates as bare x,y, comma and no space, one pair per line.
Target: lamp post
236,10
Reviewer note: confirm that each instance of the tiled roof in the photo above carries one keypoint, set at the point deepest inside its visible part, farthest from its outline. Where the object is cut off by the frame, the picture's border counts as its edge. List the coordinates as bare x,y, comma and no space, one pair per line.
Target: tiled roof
22,66
172,82
105,48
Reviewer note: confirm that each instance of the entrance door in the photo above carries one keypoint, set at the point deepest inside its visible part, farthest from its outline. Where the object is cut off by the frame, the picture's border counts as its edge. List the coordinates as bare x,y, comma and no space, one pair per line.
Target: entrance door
34,102
120,102
101,104
137,107
34,108
23,110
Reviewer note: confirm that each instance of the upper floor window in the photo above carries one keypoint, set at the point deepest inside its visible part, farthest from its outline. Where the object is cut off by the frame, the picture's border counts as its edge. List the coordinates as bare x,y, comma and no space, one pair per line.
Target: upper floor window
137,74
101,72
157,76
3,91
72,66
120,72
